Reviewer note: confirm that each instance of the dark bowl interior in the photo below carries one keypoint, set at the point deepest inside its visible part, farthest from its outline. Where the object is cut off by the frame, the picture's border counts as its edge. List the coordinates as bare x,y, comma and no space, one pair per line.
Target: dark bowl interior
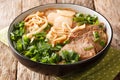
63,69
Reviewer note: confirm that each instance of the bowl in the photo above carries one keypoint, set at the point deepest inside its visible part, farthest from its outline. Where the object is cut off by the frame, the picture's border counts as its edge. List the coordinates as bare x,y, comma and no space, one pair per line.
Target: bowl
62,69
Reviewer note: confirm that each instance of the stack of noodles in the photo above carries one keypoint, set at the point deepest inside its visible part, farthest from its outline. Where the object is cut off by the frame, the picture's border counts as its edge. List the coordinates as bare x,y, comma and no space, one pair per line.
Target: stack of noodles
35,23
60,19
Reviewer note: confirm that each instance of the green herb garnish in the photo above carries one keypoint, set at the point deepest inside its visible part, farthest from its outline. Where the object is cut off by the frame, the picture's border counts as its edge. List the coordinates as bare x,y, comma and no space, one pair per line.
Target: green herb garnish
96,36
85,19
70,56
88,48
39,50
102,43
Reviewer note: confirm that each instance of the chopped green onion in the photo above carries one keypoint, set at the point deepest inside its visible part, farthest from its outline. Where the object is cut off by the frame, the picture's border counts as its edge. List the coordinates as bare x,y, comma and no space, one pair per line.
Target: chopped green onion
21,24
96,39
69,56
85,19
78,19
19,45
88,48
102,43
100,26
12,36
79,15
97,22
66,42
34,59
45,59
26,39
96,36
54,58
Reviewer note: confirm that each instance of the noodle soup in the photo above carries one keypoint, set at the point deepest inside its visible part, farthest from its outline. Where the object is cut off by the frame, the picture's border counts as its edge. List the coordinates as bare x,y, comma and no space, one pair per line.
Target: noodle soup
59,36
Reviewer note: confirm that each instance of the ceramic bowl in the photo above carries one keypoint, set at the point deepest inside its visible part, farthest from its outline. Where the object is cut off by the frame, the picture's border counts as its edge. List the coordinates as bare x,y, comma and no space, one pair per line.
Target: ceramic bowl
64,68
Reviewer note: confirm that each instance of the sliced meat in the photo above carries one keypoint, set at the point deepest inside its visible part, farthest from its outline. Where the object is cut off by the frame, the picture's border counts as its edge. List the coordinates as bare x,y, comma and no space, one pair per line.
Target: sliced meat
103,37
62,19
51,17
79,46
85,30
84,45
67,13
57,17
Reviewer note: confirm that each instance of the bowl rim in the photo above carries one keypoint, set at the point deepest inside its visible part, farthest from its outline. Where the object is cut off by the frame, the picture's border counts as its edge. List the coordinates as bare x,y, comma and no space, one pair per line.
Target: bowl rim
79,62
